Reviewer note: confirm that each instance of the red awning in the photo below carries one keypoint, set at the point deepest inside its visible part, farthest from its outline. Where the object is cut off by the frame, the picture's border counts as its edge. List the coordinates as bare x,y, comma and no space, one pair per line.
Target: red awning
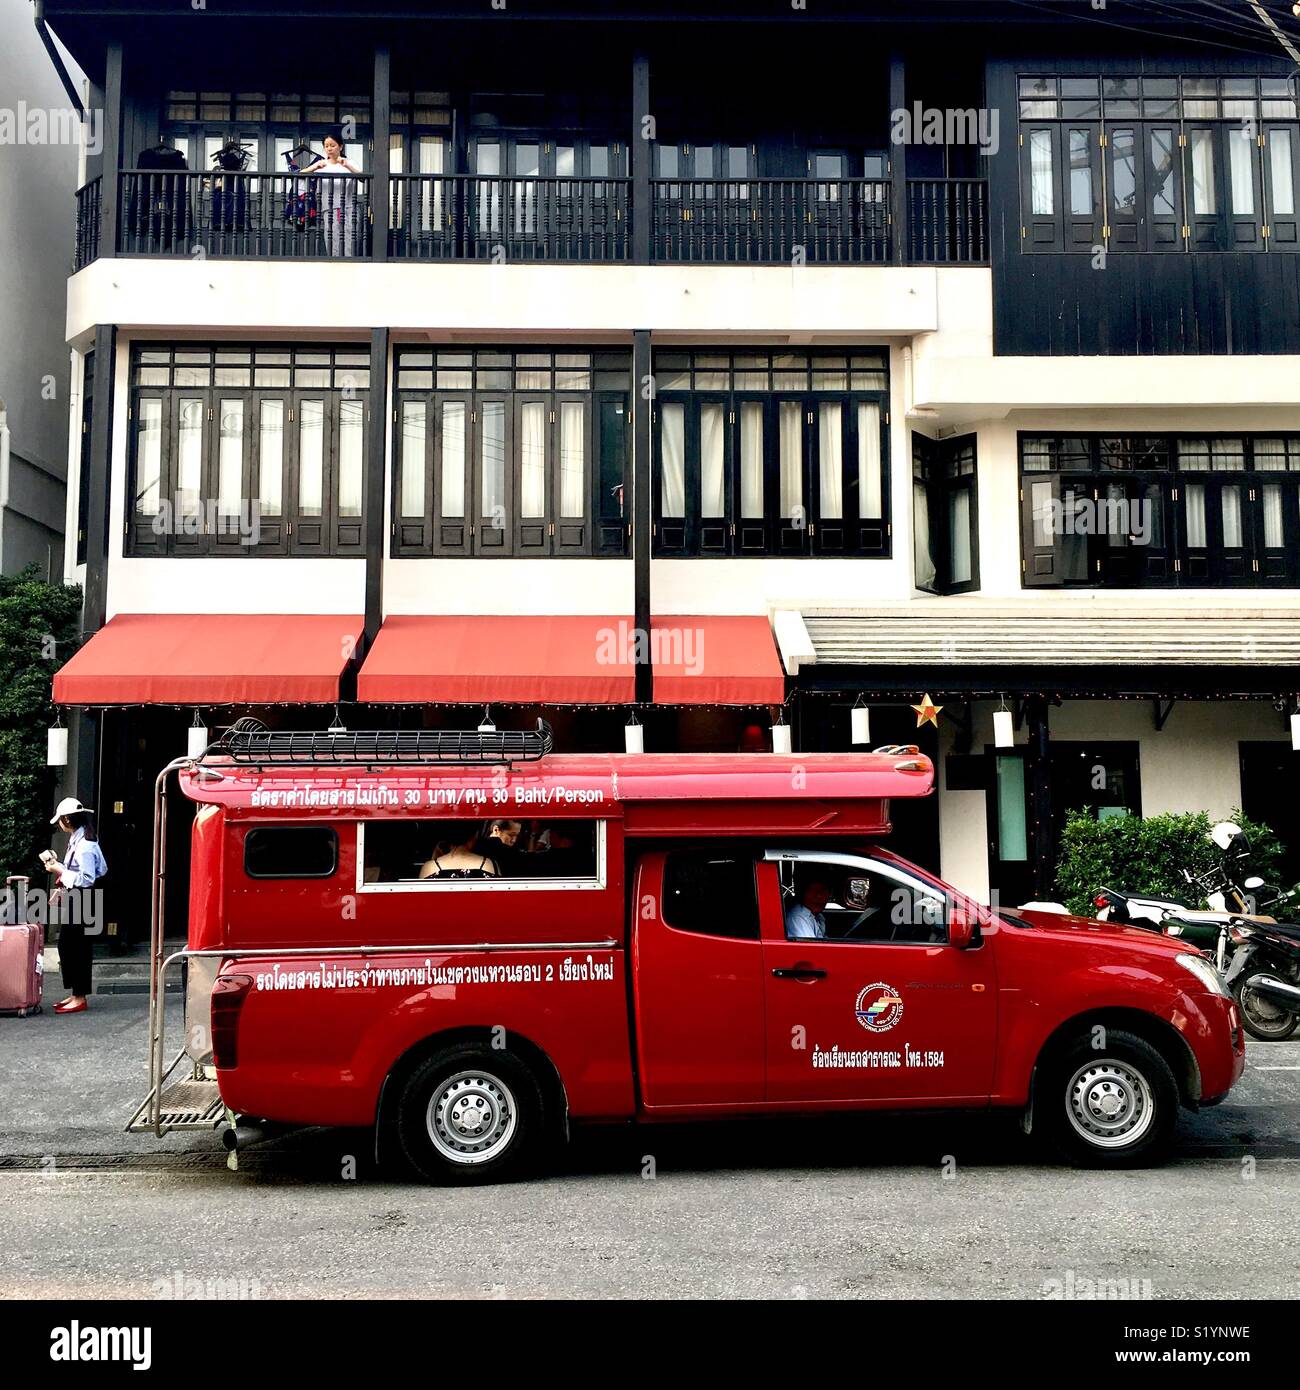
569,660
715,661
572,660
211,659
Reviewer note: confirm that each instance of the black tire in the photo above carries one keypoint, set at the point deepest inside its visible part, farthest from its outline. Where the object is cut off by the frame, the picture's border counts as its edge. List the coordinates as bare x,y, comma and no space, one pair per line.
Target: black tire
1263,1021
484,1087
1080,1083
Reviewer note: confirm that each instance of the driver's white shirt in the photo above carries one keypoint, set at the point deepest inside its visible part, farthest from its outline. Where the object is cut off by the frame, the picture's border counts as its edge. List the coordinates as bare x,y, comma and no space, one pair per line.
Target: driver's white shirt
802,922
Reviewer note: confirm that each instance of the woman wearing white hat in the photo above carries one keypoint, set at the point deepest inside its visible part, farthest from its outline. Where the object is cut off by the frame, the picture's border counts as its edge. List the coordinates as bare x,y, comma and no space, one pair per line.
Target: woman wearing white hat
81,866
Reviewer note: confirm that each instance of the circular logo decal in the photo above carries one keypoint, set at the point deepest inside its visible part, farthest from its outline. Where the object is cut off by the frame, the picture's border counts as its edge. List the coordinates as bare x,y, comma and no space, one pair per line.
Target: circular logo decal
879,1007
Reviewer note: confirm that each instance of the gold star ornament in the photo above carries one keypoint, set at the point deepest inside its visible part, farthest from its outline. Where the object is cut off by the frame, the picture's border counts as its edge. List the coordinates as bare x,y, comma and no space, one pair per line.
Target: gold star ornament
927,712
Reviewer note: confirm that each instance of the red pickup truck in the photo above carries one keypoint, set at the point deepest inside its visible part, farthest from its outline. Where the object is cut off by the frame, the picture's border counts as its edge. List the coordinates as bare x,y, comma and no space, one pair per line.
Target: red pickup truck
475,958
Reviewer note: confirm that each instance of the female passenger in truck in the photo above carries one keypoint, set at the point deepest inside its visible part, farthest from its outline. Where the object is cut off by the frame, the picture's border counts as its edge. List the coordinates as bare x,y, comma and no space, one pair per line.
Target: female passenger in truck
464,857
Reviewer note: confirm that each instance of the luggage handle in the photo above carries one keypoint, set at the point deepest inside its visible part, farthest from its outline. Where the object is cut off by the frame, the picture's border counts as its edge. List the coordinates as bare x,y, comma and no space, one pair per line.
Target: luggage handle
20,898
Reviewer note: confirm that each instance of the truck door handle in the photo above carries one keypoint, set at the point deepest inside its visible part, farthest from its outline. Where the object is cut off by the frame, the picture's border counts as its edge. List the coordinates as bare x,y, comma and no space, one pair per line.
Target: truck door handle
800,972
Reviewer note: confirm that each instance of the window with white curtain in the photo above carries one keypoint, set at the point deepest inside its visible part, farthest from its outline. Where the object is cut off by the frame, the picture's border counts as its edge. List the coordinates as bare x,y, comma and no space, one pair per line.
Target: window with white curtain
672,501
1205,199
959,535
270,458
532,459
1194,504
1241,171
830,453
751,459
189,454
713,460
352,433
1230,509
414,438
230,457
789,442
573,459
869,482
1280,172
790,418
148,474
1274,531
246,417
492,463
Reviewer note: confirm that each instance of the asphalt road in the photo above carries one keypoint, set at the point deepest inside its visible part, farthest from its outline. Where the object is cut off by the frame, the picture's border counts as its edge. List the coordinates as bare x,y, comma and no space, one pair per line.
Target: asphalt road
880,1207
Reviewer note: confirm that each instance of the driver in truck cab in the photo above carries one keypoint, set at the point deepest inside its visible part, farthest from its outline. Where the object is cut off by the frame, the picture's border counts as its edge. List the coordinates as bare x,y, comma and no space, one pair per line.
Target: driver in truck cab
806,917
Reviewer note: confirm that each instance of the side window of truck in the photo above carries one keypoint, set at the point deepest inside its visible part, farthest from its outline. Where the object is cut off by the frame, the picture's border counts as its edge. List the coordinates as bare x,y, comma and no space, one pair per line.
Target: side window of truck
712,893
291,851
861,900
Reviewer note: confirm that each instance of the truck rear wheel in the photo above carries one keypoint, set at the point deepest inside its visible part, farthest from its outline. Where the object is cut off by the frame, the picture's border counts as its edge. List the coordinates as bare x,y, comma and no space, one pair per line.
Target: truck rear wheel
470,1114
1110,1107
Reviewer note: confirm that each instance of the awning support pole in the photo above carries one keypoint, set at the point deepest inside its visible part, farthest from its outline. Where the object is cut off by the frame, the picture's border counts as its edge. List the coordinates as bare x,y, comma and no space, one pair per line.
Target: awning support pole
1162,710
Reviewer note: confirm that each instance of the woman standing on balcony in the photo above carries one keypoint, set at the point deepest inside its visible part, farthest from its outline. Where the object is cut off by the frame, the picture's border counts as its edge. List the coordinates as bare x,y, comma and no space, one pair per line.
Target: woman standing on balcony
338,201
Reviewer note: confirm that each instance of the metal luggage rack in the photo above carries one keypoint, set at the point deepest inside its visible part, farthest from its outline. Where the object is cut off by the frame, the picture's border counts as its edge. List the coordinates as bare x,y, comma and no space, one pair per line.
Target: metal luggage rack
250,742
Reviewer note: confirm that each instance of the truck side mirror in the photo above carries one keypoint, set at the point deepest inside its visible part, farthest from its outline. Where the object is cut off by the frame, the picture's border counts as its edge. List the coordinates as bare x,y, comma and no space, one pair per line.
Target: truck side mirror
961,927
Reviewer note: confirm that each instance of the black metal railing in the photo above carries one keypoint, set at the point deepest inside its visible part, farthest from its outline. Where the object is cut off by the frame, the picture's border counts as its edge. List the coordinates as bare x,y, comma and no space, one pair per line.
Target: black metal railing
771,221
244,215
466,217
89,216
947,221
260,746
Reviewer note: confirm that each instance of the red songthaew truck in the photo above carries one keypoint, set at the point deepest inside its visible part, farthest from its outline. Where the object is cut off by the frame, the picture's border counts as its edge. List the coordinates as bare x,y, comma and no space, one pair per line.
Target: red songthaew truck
644,938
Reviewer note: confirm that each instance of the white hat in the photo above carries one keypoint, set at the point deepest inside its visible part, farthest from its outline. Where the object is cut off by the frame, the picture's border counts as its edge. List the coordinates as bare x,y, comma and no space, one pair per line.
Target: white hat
69,806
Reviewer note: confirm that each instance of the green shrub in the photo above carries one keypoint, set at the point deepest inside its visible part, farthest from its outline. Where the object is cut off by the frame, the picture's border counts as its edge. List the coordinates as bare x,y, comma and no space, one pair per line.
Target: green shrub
1137,855
38,627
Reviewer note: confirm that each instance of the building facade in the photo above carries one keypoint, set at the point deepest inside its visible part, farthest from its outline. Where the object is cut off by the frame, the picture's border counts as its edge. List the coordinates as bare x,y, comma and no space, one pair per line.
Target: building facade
40,158
701,368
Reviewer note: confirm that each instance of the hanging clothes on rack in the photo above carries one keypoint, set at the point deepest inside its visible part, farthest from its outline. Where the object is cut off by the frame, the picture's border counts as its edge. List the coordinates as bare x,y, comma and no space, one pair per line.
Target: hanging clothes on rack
301,208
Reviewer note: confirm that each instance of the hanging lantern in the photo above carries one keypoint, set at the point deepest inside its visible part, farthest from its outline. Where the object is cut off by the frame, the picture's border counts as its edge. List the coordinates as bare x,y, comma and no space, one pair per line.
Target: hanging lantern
633,736
1295,732
1004,727
56,746
860,722
336,724
782,736
197,741
486,726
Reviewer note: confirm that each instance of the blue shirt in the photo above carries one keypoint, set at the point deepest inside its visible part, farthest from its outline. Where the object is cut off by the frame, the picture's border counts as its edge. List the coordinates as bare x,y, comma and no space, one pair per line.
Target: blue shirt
83,863
801,922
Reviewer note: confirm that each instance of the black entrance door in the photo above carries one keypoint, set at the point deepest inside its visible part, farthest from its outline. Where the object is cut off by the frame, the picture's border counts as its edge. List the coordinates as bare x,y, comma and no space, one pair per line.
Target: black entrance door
1268,797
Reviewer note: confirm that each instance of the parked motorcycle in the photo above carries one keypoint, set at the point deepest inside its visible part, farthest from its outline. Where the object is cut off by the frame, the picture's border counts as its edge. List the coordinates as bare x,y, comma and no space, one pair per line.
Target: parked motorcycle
1264,976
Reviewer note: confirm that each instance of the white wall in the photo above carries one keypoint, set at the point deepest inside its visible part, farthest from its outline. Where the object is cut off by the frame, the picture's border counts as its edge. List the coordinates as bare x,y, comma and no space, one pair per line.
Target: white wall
477,585
704,302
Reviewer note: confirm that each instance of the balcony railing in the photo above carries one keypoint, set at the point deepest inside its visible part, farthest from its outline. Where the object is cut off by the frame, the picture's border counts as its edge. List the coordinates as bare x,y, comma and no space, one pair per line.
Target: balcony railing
771,221
244,215
461,217
947,221
89,217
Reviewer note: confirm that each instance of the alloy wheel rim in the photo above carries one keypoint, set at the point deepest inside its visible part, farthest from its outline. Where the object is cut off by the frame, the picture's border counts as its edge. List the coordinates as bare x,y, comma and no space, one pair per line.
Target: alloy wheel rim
1110,1104
471,1117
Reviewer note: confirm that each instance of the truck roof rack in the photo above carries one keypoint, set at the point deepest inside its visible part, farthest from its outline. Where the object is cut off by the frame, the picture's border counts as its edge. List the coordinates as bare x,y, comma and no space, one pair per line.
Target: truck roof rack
249,741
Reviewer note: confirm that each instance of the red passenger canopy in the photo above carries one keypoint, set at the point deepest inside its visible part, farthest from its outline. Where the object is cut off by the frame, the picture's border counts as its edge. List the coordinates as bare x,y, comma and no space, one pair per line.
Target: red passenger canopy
211,659
572,659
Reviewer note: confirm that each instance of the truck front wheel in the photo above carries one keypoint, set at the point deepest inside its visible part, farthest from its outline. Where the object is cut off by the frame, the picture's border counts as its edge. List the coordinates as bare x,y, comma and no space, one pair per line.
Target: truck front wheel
470,1114
1113,1106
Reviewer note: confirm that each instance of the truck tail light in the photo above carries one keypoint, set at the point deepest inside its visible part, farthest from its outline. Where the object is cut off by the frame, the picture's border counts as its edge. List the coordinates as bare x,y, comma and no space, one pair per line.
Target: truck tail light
1101,900
228,995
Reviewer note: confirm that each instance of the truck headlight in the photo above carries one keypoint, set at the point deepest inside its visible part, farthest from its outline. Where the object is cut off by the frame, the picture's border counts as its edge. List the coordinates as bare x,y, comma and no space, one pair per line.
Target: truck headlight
1206,973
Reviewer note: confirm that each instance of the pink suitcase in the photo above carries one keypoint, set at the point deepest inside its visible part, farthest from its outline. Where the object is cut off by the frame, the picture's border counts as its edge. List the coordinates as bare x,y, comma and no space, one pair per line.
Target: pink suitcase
22,957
